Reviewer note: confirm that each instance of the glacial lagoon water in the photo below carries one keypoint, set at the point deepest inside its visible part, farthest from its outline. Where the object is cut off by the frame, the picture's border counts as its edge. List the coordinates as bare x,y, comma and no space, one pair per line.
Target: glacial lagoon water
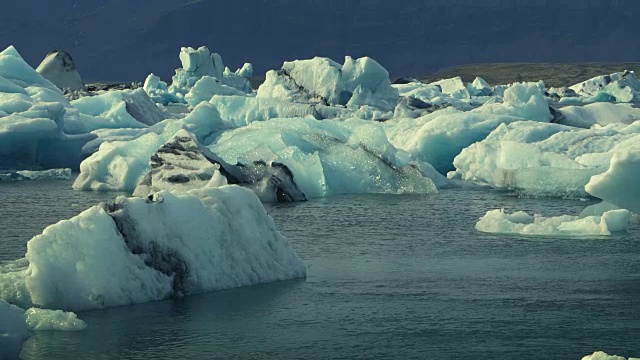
388,277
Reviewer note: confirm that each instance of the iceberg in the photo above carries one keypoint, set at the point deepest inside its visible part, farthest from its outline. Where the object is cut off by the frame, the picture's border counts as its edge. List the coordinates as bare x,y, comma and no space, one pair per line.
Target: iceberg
182,164
118,165
619,184
58,320
437,138
137,250
206,87
617,87
40,129
546,160
240,111
158,91
479,87
322,80
330,157
51,174
13,331
498,221
453,87
199,64
32,115
122,163
601,355
116,109
524,100
313,151
59,68
598,114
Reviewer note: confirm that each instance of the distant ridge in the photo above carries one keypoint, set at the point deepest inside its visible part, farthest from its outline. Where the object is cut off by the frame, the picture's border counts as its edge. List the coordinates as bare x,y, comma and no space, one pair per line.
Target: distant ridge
553,74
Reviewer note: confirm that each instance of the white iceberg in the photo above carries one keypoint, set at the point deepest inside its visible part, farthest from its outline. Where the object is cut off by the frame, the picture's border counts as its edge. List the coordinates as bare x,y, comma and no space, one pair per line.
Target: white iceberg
439,137
353,84
330,157
122,164
182,164
41,129
138,250
116,109
598,113
453,87
601,355
479,87
310,149
59,68
198,64
619,184
616,87
13,331
47,320
205,88
51,174
32,118
538,159
498,221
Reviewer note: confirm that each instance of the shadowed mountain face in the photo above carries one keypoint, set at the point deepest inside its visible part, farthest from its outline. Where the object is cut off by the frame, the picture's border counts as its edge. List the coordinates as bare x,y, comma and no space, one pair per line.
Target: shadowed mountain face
126,40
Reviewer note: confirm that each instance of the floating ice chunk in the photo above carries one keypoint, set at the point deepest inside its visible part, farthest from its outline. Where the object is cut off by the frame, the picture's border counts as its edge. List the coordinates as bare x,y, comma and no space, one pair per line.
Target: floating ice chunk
524,100
242,110
118,165
15,69
601,355
619,184
121,165
328,157
13,331
236,81
246,71
199,63
119,109
438,137
182,164
159,92
598,209
497,221
153,83
562,92
51,174
431,95
137,250
479,87
543,159
324,80
33,112
44,319
111,135
616,87
454,87
205,88
599,113
59,68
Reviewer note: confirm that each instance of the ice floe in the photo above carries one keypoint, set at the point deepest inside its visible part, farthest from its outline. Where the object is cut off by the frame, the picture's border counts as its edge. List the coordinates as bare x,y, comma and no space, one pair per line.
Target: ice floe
498,221
143,249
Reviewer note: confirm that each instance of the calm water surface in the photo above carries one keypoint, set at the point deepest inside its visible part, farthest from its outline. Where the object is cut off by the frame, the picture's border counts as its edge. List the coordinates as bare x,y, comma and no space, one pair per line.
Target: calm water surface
388,277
